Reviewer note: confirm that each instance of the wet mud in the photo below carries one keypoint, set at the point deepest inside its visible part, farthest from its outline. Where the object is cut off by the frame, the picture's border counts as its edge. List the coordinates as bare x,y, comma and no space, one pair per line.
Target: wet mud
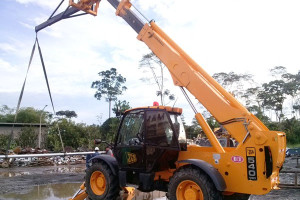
21,180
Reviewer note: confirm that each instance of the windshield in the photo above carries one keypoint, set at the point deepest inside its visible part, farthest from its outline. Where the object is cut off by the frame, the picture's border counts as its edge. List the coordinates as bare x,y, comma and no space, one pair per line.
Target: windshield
178,125
131,128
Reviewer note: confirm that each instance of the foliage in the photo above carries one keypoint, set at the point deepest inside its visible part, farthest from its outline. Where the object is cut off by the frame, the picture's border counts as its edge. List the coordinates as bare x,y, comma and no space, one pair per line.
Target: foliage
192,131
27,137
270,97
109,129
73,135
67,113
25,115
273,97
6,114
152,62
292,129
234,83
110,86
3,141
120,107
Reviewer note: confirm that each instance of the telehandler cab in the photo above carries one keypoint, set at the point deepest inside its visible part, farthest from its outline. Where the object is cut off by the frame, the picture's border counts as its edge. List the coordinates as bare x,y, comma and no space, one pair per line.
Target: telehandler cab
151,150
145,151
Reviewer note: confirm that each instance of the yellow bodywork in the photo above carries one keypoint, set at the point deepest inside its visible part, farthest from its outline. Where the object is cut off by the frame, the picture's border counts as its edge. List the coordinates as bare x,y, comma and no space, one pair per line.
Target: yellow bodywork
243,126
235,173
88,6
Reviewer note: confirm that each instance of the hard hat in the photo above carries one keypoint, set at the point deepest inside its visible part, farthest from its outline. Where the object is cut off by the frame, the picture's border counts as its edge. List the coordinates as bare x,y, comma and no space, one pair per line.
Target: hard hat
96,149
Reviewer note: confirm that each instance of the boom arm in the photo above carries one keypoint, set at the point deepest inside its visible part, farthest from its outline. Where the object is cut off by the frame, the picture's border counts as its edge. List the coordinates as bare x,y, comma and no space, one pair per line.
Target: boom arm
188,74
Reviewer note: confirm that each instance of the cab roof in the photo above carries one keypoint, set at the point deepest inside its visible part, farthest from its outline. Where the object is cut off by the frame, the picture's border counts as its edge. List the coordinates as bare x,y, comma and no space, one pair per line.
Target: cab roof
166,108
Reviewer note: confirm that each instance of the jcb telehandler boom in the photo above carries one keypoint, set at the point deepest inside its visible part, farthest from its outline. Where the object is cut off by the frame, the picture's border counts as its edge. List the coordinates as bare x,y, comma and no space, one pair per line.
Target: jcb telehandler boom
252,167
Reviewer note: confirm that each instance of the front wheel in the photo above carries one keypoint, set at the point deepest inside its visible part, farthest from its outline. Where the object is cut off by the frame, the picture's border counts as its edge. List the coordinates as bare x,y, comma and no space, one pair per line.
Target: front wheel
101,183
192,184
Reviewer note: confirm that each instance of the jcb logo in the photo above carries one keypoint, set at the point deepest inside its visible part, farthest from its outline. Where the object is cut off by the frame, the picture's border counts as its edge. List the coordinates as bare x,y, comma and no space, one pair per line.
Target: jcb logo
131,158
251,151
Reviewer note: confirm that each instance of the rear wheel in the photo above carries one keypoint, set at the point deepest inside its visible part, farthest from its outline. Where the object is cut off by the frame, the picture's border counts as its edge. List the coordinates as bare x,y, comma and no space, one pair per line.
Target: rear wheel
192,184
101,183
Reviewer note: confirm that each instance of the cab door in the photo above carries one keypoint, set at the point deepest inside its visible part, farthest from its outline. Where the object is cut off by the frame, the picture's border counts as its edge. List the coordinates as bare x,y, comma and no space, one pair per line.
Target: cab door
129,147
162,146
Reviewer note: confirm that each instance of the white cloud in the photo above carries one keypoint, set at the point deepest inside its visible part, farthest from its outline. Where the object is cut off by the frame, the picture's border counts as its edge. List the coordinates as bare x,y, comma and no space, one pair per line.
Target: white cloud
7,47
45,4
26,25
6,66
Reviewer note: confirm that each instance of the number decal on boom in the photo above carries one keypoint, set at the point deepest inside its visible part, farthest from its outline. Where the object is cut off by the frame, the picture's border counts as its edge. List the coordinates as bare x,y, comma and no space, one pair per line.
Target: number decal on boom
251,164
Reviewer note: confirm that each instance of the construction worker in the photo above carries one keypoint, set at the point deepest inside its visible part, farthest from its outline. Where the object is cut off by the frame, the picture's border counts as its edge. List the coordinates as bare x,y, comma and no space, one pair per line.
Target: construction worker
108,151
96,152
90,156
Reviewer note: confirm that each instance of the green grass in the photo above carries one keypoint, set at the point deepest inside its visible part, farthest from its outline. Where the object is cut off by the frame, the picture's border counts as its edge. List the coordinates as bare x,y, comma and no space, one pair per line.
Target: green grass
293,145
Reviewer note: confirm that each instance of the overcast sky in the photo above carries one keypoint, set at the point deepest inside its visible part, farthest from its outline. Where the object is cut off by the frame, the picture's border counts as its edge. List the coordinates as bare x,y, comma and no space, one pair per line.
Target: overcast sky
221,35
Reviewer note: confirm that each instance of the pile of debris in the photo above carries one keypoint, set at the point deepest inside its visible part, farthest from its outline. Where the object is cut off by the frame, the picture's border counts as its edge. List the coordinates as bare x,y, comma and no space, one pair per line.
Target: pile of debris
39,160
47,161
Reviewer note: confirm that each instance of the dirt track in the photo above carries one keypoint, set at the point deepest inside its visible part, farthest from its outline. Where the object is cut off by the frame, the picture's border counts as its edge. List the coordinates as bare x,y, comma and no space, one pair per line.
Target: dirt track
20,180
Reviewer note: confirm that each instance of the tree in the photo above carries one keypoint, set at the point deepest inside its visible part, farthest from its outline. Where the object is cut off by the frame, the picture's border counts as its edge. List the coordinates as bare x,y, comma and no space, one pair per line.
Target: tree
273,97
292,89
192,131
120,107
152,62
109,129
278,71
292,129
234,83
110,86
27,137
25,115
74,135
3,141
67,113
6,114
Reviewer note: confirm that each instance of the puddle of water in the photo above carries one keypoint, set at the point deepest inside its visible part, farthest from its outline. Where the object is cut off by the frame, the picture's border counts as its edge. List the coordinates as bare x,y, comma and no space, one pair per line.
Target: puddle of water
67,190
20,171
13,174
46,192
67,169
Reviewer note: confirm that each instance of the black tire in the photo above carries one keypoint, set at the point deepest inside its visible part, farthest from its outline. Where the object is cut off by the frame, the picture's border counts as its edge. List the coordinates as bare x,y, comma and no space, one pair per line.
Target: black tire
237,196
111,189
197,176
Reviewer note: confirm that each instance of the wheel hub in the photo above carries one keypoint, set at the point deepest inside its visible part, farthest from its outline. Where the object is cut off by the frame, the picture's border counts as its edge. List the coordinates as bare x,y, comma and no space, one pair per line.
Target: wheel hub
189,190
98,183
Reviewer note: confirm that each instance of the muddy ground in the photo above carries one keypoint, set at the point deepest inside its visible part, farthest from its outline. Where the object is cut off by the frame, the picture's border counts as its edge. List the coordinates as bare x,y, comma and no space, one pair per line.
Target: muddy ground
20,180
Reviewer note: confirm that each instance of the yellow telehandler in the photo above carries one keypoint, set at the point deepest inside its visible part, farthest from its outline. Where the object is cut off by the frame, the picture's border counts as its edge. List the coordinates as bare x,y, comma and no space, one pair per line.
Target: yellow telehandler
150,149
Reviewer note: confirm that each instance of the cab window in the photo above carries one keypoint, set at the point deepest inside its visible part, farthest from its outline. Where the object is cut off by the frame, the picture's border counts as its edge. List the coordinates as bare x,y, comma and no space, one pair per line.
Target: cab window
131,132
159,129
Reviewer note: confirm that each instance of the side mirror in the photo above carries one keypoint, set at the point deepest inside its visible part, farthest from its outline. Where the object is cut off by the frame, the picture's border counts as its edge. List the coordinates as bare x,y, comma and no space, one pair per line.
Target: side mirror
98,141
